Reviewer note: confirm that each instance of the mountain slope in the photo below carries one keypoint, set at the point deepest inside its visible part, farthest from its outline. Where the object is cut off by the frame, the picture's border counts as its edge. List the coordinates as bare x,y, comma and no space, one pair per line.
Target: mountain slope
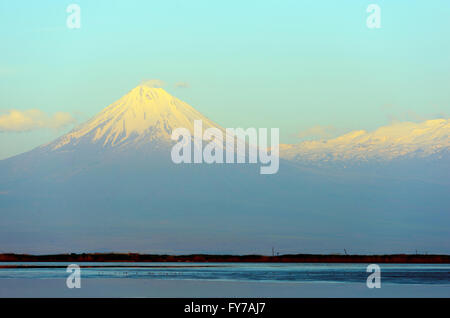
110,185
397,141
144,115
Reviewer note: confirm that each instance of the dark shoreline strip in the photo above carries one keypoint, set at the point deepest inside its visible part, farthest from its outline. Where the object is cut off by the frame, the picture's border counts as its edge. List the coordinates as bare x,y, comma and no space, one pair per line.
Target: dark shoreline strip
208,258
108,266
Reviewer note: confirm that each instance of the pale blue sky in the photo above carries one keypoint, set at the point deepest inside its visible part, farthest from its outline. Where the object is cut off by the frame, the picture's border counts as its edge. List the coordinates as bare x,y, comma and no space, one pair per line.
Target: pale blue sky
287,64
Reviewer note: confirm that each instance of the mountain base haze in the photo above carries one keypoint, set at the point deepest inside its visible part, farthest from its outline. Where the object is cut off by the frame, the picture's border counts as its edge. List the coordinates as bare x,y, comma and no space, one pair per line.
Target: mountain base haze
110,185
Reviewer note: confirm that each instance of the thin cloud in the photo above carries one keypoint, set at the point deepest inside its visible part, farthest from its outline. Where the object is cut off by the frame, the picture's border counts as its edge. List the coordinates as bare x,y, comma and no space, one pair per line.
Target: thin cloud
395,114
182,85
26,120
318,132
5,70
154,83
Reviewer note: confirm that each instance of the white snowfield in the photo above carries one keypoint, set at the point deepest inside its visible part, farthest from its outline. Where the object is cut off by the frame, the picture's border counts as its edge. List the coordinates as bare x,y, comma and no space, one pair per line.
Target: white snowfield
149,115
145,114
398,140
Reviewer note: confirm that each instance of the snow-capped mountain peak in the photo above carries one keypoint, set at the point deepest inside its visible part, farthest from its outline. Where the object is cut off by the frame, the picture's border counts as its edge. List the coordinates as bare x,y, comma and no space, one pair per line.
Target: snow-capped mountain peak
398,140
145,114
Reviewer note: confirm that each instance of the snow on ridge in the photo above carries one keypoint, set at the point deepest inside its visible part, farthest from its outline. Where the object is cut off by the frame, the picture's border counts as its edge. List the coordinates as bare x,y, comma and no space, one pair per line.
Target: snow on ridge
398,140
150,114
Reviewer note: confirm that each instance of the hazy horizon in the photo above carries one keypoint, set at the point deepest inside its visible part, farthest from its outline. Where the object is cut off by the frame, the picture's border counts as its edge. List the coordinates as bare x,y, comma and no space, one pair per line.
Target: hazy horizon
362,113
314,71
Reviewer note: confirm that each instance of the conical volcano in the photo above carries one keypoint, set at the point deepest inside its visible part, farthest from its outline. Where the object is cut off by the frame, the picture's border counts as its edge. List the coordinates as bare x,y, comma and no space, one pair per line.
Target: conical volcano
111,185
144,115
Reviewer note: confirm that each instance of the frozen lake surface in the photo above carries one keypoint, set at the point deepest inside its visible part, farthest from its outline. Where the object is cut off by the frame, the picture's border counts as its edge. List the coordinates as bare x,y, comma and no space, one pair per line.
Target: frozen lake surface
224,280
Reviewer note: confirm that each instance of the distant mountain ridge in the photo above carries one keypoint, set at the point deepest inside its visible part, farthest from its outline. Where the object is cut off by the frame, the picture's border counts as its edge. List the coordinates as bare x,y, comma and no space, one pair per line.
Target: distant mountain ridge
110,185
146,117
403,140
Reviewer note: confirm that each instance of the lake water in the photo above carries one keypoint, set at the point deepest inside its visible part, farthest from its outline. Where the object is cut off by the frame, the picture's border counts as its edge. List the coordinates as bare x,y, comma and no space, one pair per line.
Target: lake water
438,274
